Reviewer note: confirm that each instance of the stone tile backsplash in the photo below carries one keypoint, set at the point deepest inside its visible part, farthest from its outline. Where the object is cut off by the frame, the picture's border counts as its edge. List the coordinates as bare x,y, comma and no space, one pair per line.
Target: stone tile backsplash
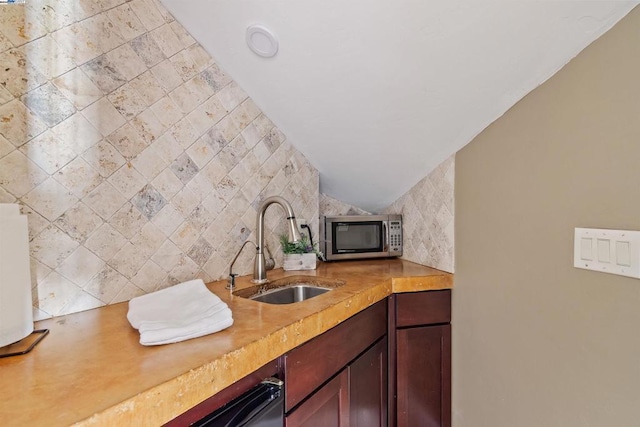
141,164
138,161
330,206
427,213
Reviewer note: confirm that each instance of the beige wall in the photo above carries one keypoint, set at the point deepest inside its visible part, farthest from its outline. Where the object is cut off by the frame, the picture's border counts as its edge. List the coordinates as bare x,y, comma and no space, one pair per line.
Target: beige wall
139,162
536,341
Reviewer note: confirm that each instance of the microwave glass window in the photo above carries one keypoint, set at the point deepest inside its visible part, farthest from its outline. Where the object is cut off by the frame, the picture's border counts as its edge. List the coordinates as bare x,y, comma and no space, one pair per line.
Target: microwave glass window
350,237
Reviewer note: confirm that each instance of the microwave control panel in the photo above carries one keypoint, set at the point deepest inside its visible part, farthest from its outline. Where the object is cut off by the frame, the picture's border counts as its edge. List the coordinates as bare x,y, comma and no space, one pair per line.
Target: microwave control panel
395,238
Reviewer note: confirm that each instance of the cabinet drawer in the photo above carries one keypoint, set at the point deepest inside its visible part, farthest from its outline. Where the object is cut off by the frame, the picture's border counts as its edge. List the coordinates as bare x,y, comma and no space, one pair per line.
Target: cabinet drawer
307,367
423,308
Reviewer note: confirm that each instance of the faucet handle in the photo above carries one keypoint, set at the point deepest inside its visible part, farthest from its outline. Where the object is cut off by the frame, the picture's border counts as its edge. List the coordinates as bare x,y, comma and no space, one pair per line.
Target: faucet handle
269,263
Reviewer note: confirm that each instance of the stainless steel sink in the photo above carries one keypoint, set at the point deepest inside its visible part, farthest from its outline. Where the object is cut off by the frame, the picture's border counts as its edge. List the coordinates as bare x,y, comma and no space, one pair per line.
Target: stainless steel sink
289,290
290,294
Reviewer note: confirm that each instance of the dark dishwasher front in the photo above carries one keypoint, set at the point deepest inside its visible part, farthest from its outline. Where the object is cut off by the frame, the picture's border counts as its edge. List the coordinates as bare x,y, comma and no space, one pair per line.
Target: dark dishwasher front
262,406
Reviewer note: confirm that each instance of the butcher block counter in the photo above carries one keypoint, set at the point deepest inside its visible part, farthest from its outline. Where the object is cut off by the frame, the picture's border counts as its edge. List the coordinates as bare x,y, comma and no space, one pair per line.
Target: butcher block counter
91,369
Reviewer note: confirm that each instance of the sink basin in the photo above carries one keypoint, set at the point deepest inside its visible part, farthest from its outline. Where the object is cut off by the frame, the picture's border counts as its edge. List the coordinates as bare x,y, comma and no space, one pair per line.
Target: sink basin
289,290
290,294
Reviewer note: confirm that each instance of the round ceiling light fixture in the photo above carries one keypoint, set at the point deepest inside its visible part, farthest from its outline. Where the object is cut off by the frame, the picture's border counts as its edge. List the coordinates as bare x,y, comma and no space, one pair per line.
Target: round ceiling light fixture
262,41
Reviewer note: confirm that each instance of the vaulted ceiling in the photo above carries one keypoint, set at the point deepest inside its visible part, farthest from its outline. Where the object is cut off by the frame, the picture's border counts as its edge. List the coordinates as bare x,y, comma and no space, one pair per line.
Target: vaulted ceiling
377,93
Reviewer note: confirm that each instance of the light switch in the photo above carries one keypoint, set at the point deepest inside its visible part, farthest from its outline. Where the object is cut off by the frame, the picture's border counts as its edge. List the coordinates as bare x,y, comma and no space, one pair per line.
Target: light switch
622,254
586,249
607,251
604,250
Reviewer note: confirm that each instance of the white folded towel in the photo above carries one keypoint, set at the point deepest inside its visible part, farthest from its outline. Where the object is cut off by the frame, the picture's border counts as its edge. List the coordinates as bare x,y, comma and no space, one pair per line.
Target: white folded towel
181,312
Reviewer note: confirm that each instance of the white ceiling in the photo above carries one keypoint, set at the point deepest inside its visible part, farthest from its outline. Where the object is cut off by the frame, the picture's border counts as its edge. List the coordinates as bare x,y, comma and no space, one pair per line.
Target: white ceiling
377,93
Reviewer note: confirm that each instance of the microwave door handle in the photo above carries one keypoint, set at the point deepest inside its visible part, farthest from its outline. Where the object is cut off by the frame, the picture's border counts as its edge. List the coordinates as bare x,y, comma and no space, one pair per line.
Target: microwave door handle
385,233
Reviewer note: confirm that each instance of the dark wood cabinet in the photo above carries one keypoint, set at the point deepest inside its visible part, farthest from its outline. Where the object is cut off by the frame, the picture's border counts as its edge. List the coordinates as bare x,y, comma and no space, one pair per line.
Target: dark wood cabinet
340,377
356,397
387,365
329,406
421,353
423,375
310,365
368,387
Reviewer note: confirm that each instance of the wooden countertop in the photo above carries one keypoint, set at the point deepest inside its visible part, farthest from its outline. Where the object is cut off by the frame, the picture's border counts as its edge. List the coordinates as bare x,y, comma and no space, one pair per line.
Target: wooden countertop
91,369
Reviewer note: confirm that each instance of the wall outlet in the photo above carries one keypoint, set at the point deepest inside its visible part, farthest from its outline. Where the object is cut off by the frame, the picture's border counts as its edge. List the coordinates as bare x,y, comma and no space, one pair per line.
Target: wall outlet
302,222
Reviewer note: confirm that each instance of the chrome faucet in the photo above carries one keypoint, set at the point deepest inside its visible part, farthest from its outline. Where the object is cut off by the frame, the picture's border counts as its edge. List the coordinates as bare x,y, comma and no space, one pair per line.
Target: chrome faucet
260,267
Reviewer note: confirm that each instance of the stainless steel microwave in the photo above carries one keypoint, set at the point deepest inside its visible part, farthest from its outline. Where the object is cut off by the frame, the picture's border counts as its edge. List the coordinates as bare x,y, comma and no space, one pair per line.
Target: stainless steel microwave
361,236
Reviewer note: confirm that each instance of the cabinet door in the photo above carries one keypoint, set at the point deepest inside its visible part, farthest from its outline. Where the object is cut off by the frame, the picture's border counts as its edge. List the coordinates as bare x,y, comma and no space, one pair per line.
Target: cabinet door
329,406
423,364
368,387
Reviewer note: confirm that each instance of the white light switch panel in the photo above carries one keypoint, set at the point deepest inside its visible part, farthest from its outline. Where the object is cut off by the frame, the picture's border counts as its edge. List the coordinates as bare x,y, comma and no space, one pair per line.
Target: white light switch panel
608,251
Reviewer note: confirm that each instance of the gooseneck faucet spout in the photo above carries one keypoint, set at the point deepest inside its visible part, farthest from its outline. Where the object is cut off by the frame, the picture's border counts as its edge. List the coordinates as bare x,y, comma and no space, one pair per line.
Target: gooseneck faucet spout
260,268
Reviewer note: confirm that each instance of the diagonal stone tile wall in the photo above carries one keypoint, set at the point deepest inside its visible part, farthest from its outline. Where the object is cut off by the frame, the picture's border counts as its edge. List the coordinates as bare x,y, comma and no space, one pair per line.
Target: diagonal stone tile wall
427,212
330,206
138,161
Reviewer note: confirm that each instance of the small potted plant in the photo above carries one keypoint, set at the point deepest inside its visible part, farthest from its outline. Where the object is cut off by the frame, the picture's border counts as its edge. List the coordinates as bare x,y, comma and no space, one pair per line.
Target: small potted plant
300,255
